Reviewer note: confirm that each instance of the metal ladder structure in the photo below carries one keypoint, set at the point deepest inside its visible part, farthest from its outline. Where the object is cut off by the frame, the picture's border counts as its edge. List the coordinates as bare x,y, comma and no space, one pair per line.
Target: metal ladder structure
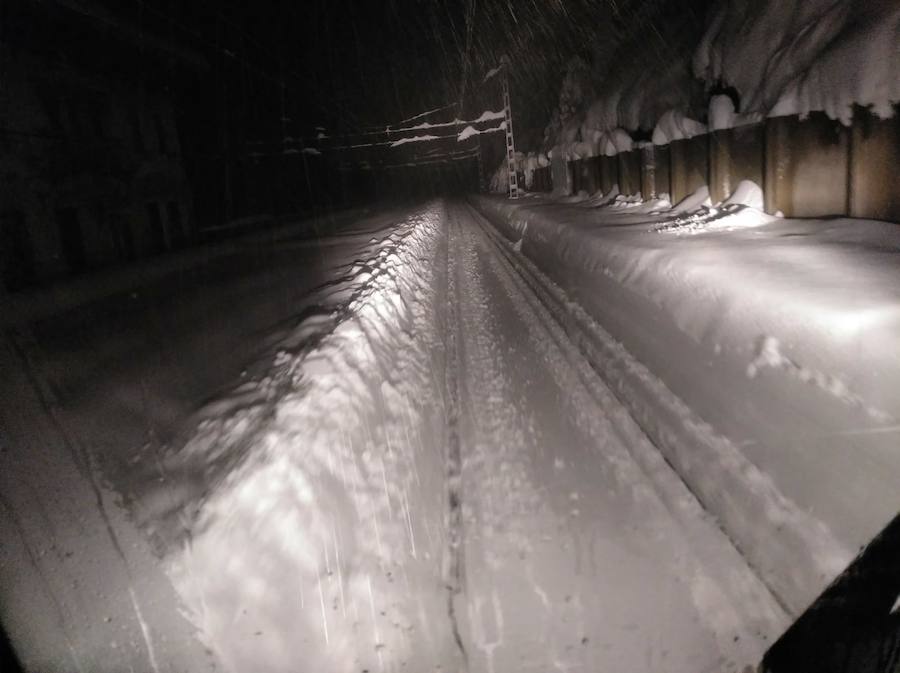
510,143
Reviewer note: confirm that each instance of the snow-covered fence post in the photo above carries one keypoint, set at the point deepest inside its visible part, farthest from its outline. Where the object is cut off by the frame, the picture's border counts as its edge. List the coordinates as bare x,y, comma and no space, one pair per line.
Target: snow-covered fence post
609,173
648,171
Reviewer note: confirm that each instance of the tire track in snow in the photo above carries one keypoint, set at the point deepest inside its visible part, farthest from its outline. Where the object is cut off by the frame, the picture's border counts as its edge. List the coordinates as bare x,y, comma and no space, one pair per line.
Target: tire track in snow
454,561
673,542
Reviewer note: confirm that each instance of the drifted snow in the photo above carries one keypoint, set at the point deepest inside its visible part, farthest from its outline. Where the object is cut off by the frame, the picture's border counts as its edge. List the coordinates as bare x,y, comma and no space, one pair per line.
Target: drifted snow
780,336
673,125
782,58
414,139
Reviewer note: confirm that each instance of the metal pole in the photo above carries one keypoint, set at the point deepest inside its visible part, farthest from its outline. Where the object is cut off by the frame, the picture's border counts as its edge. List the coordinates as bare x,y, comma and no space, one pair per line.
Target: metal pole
510,143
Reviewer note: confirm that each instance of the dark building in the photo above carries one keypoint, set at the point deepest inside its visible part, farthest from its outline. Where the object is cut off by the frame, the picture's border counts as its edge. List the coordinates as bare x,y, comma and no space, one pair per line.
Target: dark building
91,169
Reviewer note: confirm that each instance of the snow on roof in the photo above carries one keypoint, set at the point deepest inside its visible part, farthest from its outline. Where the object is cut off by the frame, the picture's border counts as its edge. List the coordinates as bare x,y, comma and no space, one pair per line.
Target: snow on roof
489,115
491,73
471,131
863,67
414,139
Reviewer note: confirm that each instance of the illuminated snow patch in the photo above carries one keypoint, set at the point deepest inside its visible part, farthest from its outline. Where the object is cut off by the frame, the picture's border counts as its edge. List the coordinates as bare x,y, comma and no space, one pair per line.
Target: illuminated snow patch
323,544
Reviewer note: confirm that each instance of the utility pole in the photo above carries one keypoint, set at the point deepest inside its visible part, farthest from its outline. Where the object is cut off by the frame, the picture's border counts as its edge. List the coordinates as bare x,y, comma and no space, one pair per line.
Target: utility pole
510,143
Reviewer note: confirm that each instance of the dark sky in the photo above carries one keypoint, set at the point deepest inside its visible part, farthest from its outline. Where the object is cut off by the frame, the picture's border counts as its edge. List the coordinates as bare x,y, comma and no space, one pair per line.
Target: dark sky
356,64
383,61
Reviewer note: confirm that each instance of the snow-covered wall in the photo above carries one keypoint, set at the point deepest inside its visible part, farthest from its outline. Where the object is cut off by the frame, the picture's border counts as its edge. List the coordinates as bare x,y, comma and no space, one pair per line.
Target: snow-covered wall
755,59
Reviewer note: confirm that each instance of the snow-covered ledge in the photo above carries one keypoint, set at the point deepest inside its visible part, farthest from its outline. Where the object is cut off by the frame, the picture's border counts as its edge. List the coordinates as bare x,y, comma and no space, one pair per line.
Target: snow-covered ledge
760,354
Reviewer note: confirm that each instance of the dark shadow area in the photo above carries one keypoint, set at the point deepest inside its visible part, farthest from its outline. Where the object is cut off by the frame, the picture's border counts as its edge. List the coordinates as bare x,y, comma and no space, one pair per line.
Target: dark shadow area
8,661
854,626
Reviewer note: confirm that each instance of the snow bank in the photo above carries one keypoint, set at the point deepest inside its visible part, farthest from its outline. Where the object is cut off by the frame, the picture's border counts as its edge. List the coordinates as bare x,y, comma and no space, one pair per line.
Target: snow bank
761,358
673,125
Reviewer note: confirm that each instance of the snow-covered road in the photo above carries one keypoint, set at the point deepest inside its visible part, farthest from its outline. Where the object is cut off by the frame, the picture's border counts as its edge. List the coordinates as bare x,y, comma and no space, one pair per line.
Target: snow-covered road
582,549
426,475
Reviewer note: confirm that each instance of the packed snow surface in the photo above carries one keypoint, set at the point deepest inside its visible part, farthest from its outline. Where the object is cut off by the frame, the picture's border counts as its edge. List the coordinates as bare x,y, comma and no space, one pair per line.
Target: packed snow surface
415,465
776,342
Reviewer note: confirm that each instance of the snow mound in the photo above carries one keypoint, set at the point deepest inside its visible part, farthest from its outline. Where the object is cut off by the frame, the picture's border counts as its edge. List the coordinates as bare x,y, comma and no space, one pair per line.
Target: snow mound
673,125
471,131
747,193
319,508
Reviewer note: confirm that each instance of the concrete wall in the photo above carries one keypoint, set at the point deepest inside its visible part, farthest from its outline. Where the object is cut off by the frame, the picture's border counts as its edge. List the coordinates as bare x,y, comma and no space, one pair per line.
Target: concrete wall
807,168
